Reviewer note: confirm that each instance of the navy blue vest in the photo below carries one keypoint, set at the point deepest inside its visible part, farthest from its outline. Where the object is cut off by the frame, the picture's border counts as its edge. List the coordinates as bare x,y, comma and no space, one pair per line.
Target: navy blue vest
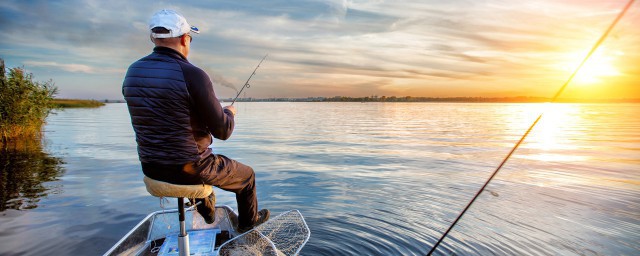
159,104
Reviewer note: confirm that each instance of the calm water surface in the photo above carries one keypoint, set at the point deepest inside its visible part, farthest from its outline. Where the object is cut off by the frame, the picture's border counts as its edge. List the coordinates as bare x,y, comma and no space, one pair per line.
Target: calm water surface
370,179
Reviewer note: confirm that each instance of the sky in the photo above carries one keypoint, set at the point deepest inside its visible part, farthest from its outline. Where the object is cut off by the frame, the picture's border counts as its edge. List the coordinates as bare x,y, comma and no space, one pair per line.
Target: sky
426,48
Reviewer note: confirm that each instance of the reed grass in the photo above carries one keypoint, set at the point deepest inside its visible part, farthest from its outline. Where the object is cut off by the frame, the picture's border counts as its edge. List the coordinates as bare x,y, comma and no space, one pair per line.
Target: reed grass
24,103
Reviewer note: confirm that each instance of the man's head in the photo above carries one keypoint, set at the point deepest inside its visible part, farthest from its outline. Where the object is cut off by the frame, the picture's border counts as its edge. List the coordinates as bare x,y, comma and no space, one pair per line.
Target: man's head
170,29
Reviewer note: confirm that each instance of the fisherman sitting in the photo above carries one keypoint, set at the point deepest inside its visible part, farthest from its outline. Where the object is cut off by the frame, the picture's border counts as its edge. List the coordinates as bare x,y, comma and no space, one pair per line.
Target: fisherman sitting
175,113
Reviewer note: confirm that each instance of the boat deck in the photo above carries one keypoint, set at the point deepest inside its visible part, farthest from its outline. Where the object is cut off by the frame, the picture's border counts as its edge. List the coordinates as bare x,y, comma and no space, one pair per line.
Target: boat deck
147,237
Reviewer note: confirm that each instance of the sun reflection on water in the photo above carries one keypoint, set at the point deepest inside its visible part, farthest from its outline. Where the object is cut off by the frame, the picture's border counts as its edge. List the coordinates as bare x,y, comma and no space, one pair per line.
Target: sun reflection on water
549,140
566,137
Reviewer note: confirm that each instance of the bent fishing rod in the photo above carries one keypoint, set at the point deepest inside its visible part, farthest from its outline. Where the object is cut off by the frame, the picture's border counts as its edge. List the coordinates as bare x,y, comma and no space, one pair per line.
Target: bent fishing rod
246,84
555,97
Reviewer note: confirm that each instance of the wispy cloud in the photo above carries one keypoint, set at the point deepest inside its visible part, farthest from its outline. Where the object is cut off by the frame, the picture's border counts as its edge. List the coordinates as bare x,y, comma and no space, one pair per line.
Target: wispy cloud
75,68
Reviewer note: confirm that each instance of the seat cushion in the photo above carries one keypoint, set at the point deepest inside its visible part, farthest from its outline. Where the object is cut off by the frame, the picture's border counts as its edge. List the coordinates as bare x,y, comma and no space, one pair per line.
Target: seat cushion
165,189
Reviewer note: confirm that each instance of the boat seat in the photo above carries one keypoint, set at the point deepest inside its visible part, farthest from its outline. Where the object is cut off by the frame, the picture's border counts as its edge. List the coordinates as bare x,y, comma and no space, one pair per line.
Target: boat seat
165,189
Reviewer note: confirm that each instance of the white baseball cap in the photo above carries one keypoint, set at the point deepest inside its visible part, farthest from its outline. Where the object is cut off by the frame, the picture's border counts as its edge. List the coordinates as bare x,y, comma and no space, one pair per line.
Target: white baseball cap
172,21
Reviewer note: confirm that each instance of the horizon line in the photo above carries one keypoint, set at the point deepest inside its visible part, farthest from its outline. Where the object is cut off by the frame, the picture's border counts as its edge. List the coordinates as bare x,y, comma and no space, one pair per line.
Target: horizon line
391,99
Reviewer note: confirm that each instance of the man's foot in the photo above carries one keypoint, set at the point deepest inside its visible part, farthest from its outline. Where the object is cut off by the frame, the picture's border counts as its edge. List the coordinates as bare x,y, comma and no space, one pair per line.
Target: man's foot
263,216
207,208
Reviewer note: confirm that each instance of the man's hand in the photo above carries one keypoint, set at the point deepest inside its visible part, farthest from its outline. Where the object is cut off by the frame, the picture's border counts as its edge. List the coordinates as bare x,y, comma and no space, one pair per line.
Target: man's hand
231,108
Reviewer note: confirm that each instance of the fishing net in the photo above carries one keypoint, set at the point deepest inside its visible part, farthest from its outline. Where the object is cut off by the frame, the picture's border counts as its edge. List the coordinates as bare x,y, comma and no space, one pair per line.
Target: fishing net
285,234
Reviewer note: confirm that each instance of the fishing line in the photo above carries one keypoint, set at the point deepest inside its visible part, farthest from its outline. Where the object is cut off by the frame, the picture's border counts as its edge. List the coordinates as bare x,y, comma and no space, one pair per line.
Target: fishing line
555,97
246,84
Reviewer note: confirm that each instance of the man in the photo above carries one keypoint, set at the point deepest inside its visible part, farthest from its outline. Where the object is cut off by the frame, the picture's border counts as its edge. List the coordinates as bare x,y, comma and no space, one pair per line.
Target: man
175,113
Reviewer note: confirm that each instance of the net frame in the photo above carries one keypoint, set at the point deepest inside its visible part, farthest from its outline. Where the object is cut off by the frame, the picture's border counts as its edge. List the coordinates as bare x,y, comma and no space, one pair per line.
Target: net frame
285,235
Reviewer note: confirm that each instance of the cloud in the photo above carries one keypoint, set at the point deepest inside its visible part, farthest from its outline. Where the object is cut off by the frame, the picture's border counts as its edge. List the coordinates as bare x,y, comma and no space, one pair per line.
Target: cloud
74,68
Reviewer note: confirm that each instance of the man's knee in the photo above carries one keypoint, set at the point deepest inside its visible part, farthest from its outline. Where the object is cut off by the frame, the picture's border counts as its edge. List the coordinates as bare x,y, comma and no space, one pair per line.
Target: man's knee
248,172
253,173
251,178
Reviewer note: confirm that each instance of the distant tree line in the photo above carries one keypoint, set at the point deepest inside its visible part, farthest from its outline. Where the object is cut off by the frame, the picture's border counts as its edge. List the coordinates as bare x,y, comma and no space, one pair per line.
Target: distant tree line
432,99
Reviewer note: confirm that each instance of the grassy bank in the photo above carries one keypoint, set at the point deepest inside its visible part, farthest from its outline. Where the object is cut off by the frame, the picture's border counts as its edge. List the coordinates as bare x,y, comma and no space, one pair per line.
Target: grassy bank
75,103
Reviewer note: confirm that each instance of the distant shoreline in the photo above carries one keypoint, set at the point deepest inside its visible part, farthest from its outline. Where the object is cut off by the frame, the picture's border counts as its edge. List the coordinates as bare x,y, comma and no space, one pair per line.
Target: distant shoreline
522,99
434,99
76,103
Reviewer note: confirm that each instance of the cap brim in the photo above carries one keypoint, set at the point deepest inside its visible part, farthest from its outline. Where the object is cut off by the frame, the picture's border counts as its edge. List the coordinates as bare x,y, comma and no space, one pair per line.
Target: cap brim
195,30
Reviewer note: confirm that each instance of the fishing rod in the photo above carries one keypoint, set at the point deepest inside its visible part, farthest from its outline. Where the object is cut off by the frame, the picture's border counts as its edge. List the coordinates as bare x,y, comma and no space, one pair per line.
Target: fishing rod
555,97
246,84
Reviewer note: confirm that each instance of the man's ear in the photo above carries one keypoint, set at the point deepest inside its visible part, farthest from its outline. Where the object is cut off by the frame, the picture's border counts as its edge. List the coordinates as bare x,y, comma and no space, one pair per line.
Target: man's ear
183,40
151,39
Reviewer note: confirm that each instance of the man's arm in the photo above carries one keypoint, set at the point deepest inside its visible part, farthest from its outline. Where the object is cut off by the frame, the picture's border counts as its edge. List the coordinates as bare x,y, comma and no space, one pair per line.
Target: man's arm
219,120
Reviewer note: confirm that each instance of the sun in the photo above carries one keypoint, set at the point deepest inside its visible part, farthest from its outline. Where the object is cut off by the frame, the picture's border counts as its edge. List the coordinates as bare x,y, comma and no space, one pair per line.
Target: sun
598,68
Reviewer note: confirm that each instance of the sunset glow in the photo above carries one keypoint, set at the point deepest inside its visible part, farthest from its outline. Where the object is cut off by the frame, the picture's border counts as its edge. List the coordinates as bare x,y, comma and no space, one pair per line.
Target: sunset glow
598,69
340,48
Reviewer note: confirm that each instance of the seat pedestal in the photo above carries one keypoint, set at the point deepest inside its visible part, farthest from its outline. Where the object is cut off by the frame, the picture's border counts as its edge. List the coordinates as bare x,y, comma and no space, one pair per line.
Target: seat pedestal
183,238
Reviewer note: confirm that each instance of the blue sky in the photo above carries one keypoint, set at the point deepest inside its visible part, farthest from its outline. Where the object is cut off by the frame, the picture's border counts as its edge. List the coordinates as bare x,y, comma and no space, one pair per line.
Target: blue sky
329,48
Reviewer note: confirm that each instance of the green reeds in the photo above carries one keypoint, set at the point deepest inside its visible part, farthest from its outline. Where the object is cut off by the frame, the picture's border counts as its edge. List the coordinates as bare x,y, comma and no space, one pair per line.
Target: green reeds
24,104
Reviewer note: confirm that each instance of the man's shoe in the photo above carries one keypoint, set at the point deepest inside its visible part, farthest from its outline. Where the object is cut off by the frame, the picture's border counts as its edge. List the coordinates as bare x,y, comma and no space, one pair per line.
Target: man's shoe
263,216
207,208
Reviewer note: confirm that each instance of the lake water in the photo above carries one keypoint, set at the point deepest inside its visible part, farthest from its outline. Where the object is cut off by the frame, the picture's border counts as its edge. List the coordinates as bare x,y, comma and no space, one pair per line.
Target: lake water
370,179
